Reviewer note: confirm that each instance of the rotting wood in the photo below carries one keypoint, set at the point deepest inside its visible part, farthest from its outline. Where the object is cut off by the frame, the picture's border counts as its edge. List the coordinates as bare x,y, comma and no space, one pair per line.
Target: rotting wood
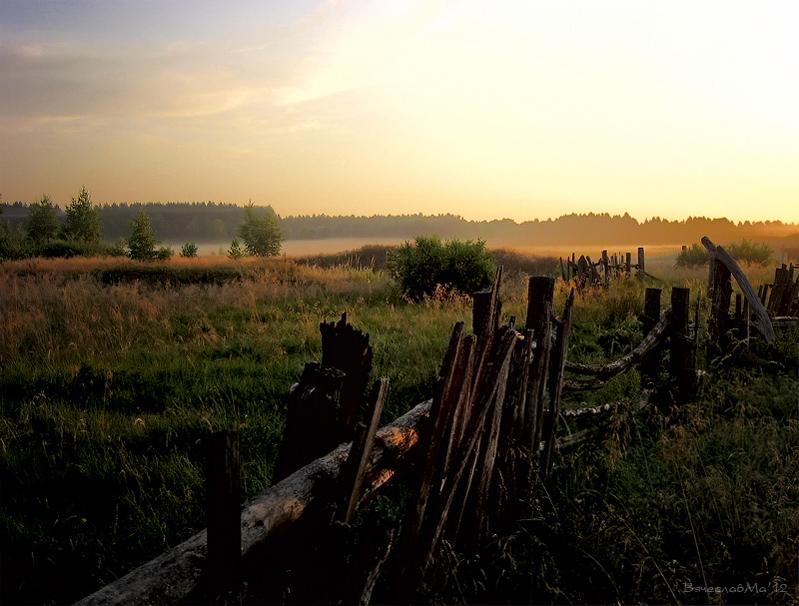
311,426
173,575
763,323
348,350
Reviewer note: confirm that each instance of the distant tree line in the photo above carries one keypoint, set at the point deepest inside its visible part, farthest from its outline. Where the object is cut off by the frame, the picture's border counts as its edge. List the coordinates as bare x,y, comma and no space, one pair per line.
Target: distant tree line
44,229
211,222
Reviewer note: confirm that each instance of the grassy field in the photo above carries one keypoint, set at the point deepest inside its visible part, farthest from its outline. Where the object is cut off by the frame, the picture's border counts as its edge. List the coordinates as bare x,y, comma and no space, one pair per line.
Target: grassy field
112,373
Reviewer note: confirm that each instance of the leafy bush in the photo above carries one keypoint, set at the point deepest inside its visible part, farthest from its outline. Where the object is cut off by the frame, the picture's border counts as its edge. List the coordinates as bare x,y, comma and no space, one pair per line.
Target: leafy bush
758,253
420,266
164,253
12,243
746,251
695,256
188,250
74,248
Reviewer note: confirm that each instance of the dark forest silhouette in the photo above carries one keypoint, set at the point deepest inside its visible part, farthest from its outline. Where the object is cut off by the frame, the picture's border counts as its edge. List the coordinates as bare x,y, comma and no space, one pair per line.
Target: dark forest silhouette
218,222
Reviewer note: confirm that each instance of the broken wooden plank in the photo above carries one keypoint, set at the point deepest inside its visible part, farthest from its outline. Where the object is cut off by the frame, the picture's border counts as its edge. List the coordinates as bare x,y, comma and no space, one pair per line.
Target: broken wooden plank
763,323
354,470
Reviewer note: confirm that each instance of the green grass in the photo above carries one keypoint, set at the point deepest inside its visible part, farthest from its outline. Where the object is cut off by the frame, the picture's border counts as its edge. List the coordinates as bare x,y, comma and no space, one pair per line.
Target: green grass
109,387
108,390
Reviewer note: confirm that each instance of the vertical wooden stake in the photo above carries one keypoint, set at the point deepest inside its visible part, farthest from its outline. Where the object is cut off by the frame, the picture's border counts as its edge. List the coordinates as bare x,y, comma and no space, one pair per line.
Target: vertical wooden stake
641,271
649,365
681,366
223,477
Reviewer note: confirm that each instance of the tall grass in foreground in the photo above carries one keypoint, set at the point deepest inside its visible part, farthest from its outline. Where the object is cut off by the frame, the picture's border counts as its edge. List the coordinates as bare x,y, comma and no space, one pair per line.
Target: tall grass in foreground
108,390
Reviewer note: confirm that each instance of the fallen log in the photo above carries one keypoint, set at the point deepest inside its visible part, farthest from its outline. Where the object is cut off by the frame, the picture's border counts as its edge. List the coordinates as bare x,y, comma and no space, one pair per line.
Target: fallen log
173,575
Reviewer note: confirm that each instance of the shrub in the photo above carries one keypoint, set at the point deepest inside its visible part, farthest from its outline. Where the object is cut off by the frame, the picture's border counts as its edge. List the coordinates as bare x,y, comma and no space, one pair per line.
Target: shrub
164,253
420,266
119,248
188,250
696,256
746,251
12,243
758,253
235,251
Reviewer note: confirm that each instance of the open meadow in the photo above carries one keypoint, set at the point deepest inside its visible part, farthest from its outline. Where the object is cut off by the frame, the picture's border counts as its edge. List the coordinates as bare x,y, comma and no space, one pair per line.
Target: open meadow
112,373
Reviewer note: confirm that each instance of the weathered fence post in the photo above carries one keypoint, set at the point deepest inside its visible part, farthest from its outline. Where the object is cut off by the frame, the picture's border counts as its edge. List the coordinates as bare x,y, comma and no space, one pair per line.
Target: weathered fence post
650,364
223,479
540,293
641,270
720,293
681,366
558,363
628,263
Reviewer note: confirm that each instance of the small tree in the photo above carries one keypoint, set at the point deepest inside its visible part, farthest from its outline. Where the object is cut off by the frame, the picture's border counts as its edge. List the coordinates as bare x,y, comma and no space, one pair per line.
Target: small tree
261,232
142,242
42,224
83,221
235,251
188,250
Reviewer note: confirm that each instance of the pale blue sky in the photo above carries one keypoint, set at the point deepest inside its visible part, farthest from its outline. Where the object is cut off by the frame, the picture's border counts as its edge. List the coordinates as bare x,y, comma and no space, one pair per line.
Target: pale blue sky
484,109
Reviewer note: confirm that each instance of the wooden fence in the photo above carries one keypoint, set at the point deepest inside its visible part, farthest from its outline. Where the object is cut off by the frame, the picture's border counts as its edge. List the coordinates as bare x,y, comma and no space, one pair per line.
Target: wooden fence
469,455
586,273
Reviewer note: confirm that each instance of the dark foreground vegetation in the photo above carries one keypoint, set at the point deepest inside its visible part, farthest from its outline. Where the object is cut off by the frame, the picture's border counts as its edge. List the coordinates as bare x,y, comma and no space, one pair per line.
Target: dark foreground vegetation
112,377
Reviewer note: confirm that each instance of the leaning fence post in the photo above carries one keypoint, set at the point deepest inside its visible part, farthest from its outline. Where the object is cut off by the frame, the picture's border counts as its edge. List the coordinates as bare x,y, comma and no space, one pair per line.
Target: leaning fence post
223,479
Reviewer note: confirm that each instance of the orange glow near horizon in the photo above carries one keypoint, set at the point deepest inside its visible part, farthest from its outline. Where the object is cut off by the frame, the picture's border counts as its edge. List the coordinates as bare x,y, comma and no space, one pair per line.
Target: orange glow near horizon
519,110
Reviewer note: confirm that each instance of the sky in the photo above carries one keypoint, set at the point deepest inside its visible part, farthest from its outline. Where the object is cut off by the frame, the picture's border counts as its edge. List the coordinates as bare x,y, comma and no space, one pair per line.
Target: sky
489,110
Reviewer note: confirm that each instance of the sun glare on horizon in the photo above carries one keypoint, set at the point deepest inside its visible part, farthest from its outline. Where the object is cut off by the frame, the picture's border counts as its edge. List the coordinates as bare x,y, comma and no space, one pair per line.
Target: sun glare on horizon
522,110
